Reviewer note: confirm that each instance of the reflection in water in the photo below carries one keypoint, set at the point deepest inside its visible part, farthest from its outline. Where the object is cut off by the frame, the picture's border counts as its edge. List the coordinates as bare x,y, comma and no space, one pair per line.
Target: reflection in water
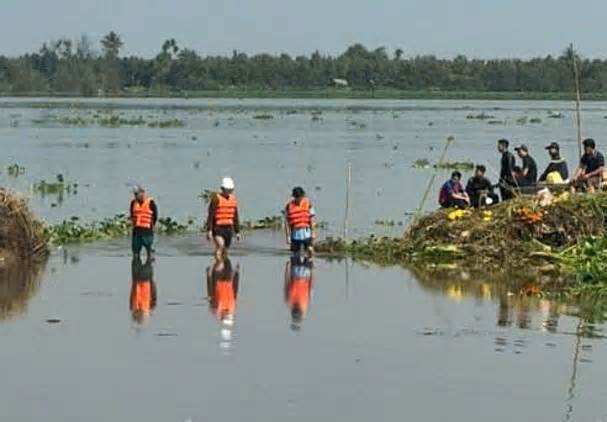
222,291
518,301
143,290
19,283
298,288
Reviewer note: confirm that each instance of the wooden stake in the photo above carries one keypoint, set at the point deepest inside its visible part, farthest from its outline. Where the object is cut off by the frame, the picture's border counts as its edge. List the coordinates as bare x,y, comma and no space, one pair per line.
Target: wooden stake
578,101
348,189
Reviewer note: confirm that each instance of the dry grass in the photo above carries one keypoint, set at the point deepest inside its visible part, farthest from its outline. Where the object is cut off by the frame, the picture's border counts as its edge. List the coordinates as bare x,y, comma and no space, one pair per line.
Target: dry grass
21,233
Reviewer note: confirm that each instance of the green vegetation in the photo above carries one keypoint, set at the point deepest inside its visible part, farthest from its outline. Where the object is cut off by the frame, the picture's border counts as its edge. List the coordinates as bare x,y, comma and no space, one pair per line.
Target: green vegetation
106,118
562,235
67,67
59,187
424,163
15,170
263,116
73,231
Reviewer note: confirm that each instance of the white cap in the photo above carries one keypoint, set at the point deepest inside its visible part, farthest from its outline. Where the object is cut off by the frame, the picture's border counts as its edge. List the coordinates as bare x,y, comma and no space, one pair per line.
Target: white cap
227,183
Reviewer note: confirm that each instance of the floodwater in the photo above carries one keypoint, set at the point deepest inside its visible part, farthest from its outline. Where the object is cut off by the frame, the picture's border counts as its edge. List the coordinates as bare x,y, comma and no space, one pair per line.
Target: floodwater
92,336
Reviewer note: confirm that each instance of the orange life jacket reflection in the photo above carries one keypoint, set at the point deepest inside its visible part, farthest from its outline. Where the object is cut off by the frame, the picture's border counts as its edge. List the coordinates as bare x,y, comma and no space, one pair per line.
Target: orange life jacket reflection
142,214
141,297
225,298
298,215
299,293
226,210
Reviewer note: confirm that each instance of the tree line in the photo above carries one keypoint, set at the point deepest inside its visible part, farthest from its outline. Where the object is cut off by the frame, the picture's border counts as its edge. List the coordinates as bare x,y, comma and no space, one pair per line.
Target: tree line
79,67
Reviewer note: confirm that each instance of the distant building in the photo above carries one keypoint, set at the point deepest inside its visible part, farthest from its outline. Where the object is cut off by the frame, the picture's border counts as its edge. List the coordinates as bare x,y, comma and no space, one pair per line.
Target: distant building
339,82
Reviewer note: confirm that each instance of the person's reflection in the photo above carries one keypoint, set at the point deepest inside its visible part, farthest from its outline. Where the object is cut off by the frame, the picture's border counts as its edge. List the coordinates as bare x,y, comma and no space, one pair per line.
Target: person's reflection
298,288
143,290
222,290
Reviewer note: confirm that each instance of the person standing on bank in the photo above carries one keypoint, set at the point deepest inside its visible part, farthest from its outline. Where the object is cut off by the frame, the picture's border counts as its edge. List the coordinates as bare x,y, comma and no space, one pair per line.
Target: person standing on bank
589,174
299,226
223,221
144,215
507,182
529,168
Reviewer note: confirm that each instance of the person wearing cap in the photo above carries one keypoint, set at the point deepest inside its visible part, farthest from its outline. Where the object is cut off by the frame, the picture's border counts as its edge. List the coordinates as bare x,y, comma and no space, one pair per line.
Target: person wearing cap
589,174
528,176
452,193
480,189
299,226
507,182
143,216
557,170
222,220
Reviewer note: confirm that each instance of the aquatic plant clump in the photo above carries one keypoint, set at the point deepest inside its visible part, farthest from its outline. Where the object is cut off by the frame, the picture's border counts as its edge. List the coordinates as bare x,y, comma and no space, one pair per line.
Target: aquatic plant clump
21,233
73,231
512,234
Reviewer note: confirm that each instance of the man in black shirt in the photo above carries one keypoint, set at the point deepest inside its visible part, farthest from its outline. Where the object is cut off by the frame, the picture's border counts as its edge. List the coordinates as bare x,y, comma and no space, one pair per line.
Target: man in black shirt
557,164
507,181
529,168
589,174
480,189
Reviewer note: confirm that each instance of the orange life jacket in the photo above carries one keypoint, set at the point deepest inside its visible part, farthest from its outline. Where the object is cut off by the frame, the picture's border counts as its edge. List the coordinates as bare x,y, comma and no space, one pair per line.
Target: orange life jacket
226,210
142,213
299,293
299,216
225,298
141,296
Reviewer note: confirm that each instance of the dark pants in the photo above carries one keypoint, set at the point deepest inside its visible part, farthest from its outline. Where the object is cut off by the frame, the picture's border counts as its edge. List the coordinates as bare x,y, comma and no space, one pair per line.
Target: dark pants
296,245
506,192
142,239
225,232
455,203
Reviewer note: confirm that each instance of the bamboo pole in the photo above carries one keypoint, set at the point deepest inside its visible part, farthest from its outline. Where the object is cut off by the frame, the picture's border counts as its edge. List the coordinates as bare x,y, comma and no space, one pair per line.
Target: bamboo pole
578,101
348,189
450,139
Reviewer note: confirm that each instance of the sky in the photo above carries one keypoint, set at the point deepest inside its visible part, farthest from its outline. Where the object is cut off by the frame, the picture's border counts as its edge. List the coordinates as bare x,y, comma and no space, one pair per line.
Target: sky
477,28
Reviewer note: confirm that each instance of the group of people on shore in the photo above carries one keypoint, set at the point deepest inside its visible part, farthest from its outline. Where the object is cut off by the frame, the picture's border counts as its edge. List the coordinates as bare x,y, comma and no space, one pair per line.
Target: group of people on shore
515,178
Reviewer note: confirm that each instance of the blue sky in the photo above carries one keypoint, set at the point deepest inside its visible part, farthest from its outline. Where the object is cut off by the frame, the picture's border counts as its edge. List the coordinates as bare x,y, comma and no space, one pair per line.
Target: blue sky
478,28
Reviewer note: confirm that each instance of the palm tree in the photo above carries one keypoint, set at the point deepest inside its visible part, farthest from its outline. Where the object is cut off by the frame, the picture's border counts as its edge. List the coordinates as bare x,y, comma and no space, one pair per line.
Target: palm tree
111,43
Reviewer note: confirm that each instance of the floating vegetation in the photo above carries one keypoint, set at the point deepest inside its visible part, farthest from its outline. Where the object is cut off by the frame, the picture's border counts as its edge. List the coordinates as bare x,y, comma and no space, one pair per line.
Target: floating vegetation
72,121
522,121
388,223
535,120
555,115
481,116
316,118
496,122
455,165
15,170
59,187
263,116
206,195
117,121
273,222
357,125
73,231
165,124
106,118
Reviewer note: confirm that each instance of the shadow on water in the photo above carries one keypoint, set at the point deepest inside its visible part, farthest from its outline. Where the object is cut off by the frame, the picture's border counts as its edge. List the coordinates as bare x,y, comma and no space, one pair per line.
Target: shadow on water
19,283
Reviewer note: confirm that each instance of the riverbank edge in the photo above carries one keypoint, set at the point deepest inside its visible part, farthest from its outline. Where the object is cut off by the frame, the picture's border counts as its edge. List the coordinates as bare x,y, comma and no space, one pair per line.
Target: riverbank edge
379,94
